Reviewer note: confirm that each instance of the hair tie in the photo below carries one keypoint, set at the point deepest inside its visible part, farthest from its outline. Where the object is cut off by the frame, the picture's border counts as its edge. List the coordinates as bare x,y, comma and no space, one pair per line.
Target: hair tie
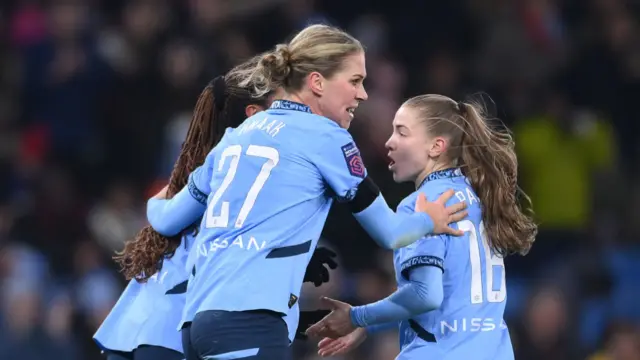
219,90
462,108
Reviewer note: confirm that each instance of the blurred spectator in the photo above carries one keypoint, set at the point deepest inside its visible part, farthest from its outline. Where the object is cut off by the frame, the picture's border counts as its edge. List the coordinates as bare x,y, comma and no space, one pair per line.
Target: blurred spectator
63,80
545,329
525,42
559,176
622,342
117,218
97,288
563,153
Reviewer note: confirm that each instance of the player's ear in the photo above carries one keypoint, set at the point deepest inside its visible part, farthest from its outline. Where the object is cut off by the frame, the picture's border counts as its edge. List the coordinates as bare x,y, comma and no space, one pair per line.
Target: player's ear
438,146
315,82
251,110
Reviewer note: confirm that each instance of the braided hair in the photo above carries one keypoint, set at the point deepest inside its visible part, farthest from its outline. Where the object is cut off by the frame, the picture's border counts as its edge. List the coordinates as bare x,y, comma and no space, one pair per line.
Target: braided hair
221,104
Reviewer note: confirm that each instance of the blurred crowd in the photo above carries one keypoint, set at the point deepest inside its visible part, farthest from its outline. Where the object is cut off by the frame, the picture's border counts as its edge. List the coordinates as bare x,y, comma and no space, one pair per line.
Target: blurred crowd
96,97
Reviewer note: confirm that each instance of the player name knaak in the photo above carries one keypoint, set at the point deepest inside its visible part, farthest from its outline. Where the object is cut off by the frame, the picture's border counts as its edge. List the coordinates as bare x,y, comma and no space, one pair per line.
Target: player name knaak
271,127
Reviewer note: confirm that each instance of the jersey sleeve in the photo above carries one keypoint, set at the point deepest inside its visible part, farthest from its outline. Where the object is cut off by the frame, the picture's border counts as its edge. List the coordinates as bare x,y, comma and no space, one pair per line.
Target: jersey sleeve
199,183
423,293
428,251
171,216
339,162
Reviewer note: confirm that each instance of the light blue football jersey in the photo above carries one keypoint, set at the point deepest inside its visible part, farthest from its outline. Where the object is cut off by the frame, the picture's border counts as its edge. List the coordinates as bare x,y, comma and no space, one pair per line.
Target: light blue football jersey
269,186
469,324
149,313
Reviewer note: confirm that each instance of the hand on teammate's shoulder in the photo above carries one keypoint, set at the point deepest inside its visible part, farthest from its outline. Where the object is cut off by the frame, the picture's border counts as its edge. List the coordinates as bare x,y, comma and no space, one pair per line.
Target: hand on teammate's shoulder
441,215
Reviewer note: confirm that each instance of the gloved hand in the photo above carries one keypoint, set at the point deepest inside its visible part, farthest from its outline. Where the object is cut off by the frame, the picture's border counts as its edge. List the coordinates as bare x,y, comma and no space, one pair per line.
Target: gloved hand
308,318
317,273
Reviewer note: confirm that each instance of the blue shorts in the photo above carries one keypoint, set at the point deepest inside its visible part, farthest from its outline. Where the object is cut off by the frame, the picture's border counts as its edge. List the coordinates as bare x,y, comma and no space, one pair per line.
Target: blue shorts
145,352
225,335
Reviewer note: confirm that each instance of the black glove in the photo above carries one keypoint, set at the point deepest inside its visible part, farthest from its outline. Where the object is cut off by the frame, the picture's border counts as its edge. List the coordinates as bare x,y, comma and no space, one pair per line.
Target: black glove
317,273
308,318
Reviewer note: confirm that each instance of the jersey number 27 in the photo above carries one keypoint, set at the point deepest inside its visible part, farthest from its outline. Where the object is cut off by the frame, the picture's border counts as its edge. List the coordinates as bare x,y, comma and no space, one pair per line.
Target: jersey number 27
233,153
489,261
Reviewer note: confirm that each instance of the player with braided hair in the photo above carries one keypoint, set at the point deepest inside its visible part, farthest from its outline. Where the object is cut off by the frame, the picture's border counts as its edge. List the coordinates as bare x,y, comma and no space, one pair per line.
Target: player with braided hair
153,301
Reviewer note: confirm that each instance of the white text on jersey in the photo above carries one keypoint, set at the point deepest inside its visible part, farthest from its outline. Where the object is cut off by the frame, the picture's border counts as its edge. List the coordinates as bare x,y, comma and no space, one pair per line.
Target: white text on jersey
467,195
471,325
219,244
271,127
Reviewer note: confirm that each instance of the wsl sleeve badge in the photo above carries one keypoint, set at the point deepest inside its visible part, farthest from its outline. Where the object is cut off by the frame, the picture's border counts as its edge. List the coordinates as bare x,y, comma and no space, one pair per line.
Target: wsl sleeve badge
353,159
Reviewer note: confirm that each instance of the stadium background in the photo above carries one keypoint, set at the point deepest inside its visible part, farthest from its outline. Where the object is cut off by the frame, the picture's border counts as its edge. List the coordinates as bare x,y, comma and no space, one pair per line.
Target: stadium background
95,97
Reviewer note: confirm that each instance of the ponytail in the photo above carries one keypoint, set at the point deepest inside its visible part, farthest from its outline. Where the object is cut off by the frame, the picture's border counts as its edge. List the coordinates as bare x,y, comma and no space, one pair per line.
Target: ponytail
220,105
143,256
488,160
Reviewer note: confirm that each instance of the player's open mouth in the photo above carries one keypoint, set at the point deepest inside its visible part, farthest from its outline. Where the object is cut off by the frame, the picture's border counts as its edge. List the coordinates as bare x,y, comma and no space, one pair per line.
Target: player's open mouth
351,110
391,162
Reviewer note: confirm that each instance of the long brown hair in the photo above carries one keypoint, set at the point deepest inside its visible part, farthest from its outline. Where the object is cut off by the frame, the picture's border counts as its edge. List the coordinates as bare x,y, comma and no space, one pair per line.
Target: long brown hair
487,157
221,104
